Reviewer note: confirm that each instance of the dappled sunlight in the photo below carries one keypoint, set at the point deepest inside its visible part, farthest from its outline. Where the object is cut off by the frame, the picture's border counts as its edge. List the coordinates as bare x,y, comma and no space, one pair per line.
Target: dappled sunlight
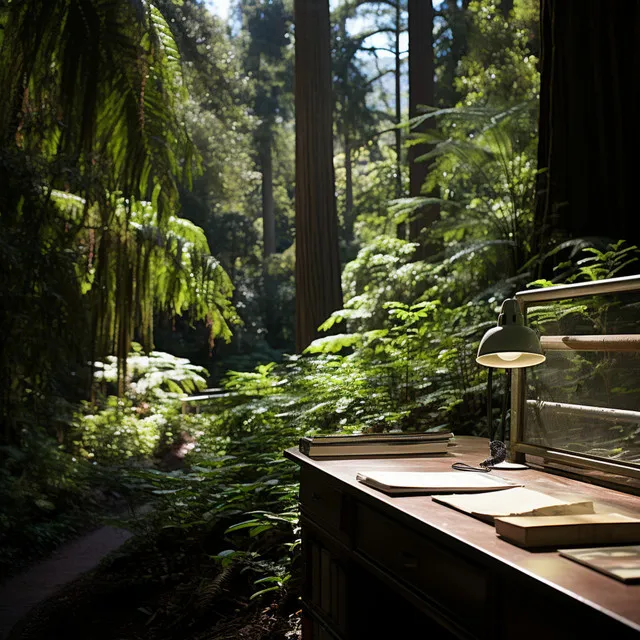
227,226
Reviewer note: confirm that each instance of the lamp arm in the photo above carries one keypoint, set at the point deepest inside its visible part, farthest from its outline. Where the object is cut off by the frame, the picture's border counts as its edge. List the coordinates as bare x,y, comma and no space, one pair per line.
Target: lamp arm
489,404
505,397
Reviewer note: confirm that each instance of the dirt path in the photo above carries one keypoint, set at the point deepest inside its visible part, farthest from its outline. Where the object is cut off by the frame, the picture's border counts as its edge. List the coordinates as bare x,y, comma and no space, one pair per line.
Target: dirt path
21,593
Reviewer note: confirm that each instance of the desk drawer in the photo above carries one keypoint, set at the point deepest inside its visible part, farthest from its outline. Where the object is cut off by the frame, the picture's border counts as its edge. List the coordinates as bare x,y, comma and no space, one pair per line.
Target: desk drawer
453,584
323,502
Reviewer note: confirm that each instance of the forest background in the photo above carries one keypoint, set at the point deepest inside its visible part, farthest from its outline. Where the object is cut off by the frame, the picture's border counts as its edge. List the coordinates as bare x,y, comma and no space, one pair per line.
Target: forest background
148,252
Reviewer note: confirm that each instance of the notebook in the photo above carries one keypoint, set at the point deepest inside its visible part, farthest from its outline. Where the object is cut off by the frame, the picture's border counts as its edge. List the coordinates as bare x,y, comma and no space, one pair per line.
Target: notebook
426,482
580,529
513,502
621,563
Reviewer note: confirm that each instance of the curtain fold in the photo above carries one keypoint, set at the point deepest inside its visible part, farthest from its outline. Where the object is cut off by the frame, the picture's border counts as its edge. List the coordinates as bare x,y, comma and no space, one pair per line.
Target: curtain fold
589,121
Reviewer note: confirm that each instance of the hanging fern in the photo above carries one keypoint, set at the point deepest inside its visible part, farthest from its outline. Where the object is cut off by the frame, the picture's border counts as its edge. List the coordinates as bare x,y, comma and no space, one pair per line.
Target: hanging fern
167,267
90,116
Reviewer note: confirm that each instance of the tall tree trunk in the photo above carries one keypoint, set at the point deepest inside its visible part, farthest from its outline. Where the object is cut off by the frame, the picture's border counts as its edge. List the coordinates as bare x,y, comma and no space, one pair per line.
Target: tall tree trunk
318,288
268,239
421,92
346,141
348,196
268,207
398,82
402,228
588,123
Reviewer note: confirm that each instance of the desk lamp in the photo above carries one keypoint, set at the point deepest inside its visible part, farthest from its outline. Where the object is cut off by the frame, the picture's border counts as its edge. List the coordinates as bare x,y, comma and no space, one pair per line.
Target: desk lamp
510,345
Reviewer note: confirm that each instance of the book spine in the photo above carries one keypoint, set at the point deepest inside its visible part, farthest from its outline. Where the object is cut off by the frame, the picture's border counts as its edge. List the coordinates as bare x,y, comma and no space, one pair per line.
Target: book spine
329,441
376,450
305,446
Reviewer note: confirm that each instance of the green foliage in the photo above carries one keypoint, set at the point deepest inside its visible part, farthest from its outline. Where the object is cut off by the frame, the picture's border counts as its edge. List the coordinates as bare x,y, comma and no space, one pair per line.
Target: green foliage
117,432
51,490
96,180
404,354
46,496
411,367
501,63
102,214
146,419
239,480
383,271
598,265
98,83
485,171
174,272
374,168
93,152
155,375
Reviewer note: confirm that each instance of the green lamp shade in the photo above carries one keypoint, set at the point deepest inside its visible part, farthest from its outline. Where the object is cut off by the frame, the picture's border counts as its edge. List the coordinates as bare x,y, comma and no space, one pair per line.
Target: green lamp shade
510,345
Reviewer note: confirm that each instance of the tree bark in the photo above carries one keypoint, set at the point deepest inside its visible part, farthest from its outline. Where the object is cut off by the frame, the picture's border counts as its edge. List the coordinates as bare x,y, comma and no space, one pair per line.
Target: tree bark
346,142
588,123
402,227
268,240
398,80
348,196
268,207
318,288
421,93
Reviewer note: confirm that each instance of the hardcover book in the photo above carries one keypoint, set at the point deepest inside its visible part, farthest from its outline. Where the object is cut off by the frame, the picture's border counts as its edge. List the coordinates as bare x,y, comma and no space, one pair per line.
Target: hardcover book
552,531
372,445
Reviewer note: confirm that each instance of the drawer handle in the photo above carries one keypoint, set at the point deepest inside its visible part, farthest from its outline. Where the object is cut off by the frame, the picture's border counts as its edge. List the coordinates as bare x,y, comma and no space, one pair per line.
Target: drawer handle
408,560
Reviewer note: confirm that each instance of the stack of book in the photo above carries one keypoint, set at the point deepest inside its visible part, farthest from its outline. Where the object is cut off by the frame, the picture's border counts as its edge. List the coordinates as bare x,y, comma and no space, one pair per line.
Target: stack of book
531,519
375,445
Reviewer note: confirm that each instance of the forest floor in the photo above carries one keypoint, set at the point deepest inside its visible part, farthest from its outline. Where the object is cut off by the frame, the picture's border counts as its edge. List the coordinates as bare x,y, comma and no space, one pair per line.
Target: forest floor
159,588
156,585
24,591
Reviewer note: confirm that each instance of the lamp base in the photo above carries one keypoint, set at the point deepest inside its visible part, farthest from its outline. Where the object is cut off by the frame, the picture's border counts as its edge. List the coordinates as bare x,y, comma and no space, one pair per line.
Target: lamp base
509,466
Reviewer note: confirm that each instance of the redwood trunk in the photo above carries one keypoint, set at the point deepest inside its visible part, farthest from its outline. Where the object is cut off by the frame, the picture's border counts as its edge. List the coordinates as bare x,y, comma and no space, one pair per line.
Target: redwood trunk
398,83
318,288
349,220
421,93
268,208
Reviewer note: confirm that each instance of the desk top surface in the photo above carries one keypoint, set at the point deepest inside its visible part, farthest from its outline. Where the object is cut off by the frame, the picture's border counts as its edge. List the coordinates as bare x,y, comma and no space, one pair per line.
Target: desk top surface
602,592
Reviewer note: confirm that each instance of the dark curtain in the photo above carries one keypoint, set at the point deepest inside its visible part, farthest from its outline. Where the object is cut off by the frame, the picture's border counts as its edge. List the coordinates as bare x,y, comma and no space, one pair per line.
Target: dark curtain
589,121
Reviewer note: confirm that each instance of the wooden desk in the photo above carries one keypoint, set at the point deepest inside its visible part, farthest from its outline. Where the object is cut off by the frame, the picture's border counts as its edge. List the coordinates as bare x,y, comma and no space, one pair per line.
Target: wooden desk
377,566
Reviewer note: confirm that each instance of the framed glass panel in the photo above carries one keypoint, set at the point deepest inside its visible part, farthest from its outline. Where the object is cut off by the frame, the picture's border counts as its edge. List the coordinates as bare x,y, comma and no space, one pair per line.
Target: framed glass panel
582,406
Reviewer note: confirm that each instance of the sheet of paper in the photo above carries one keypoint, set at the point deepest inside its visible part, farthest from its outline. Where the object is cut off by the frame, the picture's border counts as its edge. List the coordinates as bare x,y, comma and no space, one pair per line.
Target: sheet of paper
435,480
514,502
